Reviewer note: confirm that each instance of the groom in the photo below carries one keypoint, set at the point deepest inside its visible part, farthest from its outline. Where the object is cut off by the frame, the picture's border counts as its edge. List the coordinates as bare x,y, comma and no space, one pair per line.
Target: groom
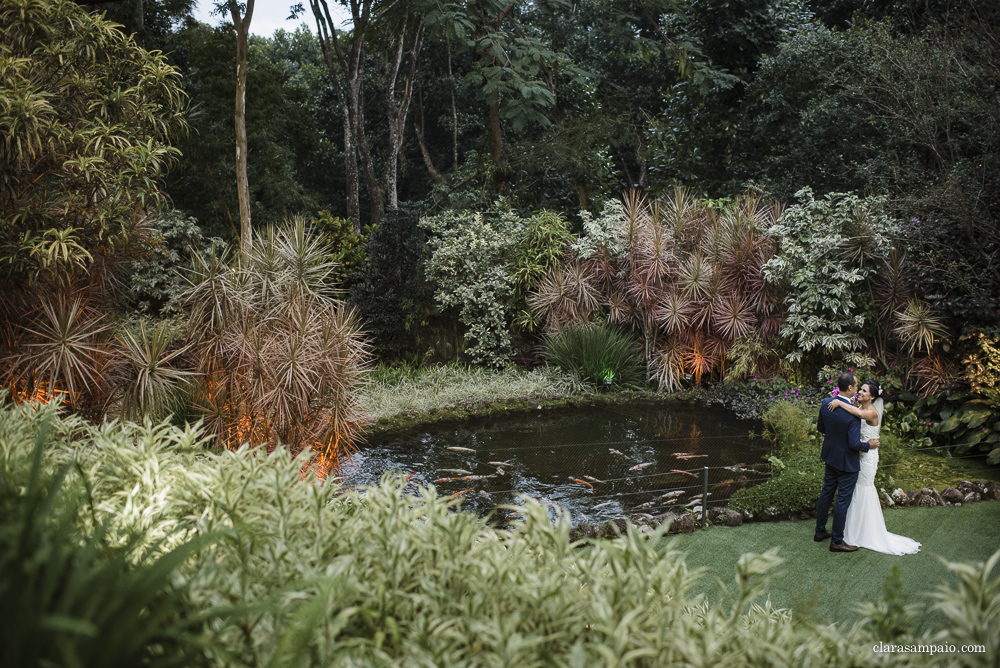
841,445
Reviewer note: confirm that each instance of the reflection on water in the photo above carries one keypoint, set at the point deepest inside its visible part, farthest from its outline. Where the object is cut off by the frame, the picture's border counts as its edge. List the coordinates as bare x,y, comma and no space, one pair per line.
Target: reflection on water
598,463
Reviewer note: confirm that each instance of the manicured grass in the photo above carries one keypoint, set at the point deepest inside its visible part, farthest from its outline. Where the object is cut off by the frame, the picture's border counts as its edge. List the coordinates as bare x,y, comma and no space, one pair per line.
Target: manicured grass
829,587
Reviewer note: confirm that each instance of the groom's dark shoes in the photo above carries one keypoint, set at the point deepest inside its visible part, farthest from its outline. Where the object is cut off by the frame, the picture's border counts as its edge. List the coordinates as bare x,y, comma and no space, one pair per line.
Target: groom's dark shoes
822,535
842,547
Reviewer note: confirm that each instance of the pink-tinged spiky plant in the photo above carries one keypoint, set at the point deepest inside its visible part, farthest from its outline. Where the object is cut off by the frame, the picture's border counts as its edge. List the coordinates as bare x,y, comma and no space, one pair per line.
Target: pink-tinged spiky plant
281,358
688,278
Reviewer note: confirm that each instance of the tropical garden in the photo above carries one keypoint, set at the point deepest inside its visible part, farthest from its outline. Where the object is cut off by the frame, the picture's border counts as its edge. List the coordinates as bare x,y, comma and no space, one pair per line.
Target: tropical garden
227,259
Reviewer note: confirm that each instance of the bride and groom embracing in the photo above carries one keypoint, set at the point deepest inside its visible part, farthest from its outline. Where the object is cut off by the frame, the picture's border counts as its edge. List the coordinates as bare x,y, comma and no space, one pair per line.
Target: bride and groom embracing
850,450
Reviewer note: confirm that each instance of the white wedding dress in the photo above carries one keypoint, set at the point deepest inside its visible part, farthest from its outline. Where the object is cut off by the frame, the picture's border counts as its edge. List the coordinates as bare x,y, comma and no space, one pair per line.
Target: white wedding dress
865,526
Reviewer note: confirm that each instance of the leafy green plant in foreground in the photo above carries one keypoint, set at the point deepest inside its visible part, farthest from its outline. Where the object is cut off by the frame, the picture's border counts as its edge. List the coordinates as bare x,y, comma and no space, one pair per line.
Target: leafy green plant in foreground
326,576
74,596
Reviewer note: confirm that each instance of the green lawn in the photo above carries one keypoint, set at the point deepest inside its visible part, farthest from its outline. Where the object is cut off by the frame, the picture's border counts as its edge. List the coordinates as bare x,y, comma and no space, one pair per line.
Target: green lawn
828,586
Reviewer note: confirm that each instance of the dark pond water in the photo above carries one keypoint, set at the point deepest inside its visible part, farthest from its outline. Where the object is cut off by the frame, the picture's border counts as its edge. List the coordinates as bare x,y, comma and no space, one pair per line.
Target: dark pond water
624,459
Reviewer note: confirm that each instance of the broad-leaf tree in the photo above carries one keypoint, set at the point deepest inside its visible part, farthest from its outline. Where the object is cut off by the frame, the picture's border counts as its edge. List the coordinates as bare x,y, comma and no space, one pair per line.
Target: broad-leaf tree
86,120
86,117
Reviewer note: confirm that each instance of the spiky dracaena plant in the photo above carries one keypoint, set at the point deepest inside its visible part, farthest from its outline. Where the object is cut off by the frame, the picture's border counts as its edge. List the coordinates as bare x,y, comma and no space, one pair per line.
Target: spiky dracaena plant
64,351
281,358
687,277
144,375
918,326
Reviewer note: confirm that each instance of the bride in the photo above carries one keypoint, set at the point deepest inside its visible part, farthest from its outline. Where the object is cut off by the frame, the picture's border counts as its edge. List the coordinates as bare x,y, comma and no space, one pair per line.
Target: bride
865,524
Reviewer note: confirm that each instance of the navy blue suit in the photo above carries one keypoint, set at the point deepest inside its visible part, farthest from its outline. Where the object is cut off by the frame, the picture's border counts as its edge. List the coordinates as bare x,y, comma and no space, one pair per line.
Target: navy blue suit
841,447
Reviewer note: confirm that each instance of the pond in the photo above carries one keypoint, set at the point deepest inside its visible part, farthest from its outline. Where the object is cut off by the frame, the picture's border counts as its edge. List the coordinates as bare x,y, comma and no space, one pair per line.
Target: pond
599,463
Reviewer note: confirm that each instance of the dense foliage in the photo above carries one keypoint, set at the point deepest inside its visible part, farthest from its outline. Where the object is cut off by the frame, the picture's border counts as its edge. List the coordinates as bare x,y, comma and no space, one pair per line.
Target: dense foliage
389,289
687,277
468,266
303,572
485,265
82,594
86,118
155,281
825,251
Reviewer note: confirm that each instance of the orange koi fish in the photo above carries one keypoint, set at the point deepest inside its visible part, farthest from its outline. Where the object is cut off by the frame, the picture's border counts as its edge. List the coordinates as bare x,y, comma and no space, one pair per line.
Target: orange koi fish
684,473
582,482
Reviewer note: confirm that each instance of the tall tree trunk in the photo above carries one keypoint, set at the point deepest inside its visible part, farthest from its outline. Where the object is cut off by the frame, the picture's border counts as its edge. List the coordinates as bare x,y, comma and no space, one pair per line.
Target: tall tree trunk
502,175
242,25
326,30
352,182
351,94
396,112
419,127
454,112
356,96
499,158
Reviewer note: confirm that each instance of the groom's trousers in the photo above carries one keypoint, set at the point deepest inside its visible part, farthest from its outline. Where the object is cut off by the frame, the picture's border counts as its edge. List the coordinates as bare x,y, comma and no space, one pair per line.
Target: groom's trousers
843,484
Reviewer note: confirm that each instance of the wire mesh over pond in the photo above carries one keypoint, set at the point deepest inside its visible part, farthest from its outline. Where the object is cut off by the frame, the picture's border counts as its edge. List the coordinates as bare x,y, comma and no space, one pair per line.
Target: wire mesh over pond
597,462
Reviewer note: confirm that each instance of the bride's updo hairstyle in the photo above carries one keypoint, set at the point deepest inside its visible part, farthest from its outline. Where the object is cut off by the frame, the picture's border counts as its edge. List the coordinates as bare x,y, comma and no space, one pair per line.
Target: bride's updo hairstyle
874,388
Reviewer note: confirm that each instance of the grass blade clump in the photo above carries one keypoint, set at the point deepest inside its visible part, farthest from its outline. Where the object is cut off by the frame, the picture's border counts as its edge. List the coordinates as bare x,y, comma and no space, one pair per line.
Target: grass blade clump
598,354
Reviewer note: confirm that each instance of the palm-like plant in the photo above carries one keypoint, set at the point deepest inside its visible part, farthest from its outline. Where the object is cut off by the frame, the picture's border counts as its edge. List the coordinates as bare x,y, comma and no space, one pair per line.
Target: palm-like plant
694,276
145,376
674,312
687,276
67,349
281,357
733,317
891,286
700,356
936,373
918,327
566,295
666,367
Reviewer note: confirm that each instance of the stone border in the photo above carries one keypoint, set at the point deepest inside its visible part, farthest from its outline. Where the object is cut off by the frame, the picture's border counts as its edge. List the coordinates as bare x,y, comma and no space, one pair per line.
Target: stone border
687,522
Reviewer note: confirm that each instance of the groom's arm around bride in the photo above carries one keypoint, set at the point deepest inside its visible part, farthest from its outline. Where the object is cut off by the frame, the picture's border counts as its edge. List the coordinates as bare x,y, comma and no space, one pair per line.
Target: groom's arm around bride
842,445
